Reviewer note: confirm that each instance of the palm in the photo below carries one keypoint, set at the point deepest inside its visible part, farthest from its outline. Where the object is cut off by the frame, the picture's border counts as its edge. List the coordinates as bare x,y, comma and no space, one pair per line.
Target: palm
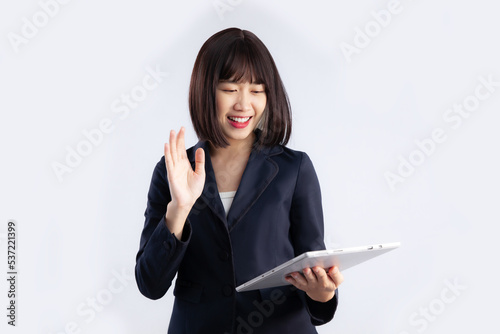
185,183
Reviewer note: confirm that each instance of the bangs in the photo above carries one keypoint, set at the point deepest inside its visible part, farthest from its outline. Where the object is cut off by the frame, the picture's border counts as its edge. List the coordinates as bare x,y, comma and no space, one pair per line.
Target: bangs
241,62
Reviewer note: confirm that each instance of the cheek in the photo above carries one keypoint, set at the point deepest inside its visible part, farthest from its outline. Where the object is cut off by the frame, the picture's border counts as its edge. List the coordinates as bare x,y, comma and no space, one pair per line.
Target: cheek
260,105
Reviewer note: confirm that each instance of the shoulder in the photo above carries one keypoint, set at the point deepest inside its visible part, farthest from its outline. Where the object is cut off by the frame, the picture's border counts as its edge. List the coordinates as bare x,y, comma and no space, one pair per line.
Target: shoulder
291,163
287,155
296,154
160,173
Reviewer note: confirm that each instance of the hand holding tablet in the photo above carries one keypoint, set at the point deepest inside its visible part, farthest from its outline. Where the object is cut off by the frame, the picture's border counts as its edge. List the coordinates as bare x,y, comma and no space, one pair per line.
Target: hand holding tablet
319,283
343,258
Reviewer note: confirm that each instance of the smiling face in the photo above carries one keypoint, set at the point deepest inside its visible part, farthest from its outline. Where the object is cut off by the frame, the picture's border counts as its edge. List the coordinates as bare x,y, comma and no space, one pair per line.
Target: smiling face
240,106
234,87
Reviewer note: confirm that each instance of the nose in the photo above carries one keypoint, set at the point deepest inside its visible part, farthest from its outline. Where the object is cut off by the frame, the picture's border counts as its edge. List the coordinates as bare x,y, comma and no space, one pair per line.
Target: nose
243,102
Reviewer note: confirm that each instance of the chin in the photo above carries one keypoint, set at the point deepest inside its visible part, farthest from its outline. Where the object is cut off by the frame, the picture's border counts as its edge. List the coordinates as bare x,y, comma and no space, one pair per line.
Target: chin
239,135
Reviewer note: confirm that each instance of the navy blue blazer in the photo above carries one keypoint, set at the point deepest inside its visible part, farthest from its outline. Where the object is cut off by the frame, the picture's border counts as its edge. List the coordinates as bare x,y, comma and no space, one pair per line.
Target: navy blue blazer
276,215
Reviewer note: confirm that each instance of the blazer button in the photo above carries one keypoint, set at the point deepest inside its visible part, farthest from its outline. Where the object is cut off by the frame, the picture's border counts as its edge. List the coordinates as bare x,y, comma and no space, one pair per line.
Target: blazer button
227,290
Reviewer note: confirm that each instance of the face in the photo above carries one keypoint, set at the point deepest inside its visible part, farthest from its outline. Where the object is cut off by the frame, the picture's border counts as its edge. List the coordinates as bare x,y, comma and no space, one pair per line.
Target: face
239,108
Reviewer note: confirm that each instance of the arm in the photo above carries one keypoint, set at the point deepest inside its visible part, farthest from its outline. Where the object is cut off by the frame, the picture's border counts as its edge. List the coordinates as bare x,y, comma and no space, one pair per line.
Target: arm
307,232
160,252
174,189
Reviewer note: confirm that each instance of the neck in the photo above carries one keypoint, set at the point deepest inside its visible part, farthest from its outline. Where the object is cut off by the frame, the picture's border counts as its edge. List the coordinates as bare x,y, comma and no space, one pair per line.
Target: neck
235,148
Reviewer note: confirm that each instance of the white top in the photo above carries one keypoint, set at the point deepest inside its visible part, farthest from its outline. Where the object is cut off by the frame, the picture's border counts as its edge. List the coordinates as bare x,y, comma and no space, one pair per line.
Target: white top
227,199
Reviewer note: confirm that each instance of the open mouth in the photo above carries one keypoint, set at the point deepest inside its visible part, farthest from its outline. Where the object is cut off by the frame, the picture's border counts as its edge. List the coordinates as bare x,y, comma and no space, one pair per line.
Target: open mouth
239,122
239,119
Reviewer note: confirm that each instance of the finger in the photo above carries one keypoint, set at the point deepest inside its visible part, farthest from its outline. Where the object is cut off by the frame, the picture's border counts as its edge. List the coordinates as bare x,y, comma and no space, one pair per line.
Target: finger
289,278
168,158
199,167
181,147
309,275
173,147
336,276
321,274
299,279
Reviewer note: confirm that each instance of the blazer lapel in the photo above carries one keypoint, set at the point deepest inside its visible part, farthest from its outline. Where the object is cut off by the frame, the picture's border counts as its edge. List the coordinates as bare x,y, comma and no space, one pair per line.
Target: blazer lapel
210,194
258,174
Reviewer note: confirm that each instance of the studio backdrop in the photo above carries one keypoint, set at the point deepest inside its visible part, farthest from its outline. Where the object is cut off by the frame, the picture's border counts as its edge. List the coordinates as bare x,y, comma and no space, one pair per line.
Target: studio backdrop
395,101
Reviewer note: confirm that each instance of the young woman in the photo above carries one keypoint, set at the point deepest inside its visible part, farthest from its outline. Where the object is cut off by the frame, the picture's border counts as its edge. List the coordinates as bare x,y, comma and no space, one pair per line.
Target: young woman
235,205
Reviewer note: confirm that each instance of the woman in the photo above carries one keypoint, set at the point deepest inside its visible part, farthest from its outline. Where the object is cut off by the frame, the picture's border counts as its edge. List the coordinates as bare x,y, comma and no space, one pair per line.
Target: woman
236,204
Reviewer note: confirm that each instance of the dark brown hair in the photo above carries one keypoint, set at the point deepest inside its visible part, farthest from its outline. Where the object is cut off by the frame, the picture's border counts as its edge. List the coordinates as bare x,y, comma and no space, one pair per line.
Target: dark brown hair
241,56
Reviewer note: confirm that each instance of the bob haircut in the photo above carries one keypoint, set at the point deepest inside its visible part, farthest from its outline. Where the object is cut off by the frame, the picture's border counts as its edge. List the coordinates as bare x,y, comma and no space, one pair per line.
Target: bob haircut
237,55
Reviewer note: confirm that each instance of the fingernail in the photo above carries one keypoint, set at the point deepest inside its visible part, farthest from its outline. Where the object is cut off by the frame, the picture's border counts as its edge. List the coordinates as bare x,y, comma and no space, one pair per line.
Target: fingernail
335,270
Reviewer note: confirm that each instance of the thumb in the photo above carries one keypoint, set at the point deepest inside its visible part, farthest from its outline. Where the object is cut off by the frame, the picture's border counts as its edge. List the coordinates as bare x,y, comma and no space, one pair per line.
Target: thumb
200,162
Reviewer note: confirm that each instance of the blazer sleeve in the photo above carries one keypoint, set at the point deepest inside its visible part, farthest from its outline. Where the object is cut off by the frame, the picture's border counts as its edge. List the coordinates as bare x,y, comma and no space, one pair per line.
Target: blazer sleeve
307,232
160,252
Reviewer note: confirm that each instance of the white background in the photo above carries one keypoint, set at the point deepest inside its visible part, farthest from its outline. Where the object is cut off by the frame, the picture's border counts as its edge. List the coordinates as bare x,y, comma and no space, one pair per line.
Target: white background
355,116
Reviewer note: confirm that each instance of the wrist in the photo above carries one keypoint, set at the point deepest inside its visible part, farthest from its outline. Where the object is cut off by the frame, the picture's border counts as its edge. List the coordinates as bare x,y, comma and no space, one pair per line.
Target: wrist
176,217
323,298
179,210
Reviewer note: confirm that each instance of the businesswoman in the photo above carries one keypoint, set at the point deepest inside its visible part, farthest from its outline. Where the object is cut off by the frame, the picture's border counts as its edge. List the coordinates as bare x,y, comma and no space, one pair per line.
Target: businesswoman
236,204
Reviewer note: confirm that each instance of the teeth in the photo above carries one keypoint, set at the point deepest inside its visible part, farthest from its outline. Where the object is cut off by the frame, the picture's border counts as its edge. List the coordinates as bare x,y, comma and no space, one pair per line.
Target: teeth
239,119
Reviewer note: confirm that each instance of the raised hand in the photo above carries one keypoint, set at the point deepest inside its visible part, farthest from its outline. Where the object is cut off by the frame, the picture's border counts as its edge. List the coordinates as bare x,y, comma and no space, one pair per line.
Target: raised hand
185,183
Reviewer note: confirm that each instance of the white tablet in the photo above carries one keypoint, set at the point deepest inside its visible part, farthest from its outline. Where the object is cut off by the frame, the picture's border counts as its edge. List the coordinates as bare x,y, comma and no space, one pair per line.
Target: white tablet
344,258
